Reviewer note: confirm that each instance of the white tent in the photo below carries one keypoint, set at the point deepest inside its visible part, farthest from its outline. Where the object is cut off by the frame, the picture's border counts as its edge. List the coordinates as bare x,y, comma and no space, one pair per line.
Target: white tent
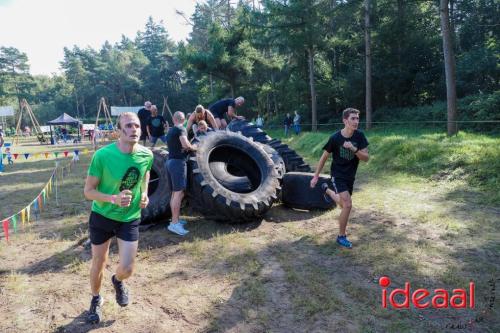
117,110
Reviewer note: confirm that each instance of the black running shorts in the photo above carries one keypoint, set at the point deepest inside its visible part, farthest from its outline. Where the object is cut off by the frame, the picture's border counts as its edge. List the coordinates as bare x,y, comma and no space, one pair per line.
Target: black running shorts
101,229
342,185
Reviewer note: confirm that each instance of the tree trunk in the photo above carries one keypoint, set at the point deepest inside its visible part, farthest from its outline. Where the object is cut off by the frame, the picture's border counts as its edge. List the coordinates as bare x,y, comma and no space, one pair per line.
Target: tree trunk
449,68
368,69
231,85
314,114
275,101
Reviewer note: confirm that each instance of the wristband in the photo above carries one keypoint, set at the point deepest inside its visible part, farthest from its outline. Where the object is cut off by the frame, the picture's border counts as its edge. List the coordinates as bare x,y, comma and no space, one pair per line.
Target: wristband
113,199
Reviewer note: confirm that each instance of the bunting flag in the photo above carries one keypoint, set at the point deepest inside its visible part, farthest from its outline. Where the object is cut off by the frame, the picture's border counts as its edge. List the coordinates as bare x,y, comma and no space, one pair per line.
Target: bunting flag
85,151
65,153
36,155
46,155
76,152
14,223
4,156
35,209
5,224
40,204
56,153
37,203
28,213
15,156
26,155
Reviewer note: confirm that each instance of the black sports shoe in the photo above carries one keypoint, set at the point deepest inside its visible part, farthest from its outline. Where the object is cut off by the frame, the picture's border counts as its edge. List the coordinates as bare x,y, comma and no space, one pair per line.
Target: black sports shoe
326,197
95,313
121,292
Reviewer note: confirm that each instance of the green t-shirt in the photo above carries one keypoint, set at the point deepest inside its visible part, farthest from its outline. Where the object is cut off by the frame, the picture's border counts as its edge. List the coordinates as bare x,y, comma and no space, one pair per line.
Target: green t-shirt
119,171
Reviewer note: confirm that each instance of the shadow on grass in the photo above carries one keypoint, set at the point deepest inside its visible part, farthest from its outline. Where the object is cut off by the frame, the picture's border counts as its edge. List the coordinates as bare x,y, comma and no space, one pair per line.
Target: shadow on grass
79,325
310,284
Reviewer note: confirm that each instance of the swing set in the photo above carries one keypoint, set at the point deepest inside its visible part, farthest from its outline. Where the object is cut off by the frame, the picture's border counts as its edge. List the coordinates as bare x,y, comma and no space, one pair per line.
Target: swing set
26,108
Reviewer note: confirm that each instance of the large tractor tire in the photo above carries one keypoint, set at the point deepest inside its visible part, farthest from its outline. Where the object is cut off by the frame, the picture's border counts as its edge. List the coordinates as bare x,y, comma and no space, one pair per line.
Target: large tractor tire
231,178
292,160
297,192
159,192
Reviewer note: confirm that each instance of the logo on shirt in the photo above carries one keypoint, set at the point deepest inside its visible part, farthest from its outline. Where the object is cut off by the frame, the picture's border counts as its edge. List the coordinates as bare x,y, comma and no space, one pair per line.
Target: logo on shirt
347,153
130,179
156,122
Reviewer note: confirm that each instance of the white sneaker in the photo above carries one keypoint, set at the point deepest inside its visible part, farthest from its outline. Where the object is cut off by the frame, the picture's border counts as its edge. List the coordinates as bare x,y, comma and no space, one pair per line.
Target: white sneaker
177,228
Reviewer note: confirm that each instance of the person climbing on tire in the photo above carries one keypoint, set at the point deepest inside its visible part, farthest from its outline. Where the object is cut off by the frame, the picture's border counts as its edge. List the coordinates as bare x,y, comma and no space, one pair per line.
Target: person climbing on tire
117,184
347,146
178,144
226,106
200,114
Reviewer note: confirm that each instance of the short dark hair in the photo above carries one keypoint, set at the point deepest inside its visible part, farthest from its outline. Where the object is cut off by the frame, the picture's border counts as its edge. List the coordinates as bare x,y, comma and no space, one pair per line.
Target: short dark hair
347,112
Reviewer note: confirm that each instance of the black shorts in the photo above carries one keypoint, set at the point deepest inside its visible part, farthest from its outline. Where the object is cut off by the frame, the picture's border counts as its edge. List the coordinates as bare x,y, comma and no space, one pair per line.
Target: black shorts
341,185
101,229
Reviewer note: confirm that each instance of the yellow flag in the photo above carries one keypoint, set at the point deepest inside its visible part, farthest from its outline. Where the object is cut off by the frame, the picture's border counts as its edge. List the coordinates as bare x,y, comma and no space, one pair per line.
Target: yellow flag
23,216
37,155
85,151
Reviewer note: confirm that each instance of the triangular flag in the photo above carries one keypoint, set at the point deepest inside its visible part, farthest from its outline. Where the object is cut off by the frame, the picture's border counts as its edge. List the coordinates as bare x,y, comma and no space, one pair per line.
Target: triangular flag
5,224
56,153
15,156
4,156
23,216
76,152
26,155
14,223
28,213
46,155
85,151
65,153
35,209
36,155
40,205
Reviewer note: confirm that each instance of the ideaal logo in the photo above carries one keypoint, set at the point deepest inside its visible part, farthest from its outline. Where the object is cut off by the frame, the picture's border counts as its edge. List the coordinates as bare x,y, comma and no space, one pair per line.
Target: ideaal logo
423,298
440,298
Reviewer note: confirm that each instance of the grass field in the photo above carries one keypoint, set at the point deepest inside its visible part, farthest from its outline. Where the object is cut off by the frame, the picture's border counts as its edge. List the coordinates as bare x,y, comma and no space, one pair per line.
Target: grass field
426,211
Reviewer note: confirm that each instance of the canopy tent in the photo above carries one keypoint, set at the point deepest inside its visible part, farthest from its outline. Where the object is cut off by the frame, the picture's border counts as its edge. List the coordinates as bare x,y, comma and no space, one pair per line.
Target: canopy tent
64,119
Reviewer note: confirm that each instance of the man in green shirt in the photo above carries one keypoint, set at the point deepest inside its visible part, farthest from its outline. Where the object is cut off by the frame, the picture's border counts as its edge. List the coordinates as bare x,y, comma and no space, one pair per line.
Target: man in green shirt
117,182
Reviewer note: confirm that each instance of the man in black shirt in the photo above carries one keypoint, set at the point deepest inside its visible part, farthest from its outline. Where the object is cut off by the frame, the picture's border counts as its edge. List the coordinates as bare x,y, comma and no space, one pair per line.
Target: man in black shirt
347,146
144,115
156,127
287,122
177,143
226,106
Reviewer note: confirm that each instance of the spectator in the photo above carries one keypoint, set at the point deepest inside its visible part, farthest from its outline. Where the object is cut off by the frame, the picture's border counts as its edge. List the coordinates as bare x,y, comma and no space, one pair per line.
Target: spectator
156,127
260,121
296,123
287,122
144,115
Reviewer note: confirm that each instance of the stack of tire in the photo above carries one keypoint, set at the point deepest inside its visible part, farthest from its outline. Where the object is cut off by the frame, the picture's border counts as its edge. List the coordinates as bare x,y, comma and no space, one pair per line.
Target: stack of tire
236,176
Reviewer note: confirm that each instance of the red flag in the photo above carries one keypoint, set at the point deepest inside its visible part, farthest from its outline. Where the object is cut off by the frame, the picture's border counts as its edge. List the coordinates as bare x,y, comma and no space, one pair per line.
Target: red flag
39,199
5,224
65,154
15,156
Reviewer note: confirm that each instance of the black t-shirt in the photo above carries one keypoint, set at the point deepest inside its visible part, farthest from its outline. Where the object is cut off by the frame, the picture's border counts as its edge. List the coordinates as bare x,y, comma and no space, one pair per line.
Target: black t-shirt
345,162
288,121
156,126
174,142
219,108
143,115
